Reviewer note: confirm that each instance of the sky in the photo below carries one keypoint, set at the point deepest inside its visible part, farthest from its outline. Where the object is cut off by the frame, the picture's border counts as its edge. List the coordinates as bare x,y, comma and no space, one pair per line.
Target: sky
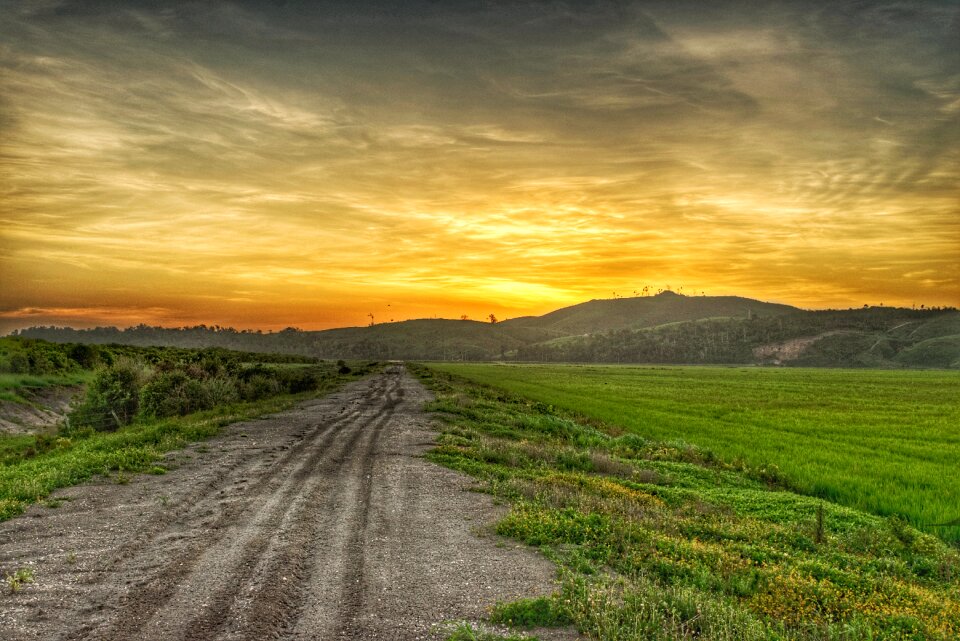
264,165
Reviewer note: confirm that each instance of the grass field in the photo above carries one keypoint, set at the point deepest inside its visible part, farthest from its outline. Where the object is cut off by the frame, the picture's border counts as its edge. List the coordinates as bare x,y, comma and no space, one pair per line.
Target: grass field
884,441
663,542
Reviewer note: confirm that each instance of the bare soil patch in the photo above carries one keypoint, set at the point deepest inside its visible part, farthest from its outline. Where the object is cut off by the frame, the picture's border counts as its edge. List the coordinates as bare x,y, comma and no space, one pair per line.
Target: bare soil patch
46,407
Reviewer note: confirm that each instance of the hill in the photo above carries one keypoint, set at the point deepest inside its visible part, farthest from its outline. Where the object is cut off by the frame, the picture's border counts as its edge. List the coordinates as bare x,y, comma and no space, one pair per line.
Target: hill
872,337
645,311
666,328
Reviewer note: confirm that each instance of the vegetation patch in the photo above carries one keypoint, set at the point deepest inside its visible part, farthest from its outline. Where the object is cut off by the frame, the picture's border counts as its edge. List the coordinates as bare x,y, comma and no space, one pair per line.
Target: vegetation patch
881,441
541,612
660,540
17,580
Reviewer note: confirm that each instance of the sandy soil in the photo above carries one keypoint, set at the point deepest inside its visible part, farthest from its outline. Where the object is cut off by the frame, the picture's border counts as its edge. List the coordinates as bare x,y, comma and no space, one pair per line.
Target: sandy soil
48,406
322,522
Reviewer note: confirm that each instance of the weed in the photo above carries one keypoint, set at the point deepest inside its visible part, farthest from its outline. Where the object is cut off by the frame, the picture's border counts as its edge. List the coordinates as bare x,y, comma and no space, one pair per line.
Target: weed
541,612
17,580
818,532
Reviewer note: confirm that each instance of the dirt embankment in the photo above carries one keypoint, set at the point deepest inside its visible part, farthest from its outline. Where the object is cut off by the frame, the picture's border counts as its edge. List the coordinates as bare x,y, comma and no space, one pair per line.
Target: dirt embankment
788,350
45,407
322,522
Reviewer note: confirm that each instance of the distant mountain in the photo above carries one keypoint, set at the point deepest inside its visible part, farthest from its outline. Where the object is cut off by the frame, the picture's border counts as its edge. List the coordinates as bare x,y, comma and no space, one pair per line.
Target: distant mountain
666,328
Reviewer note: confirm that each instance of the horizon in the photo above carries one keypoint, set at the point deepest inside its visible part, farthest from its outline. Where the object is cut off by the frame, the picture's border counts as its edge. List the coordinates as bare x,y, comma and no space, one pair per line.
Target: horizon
233,163
281,327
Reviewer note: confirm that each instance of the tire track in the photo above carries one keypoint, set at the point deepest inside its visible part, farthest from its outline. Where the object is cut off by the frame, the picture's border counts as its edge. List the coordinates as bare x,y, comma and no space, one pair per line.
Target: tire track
278,604
142,602
354,587
285,569
188,505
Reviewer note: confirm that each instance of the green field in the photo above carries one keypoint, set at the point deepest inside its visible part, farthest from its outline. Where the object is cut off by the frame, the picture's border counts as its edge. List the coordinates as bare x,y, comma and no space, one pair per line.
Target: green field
661,540
887,442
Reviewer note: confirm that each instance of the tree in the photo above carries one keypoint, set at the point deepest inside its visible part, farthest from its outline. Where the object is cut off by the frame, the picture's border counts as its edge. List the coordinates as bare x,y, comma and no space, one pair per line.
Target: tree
493,319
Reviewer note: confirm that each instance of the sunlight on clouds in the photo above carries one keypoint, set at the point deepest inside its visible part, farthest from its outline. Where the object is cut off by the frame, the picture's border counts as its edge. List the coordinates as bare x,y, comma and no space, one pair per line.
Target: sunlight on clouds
318,168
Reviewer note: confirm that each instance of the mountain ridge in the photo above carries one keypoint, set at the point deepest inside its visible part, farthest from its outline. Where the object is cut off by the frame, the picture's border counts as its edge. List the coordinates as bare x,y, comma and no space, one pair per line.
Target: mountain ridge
665,328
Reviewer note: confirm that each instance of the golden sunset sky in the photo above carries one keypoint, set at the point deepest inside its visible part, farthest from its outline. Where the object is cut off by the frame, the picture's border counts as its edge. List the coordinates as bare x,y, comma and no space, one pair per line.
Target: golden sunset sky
305,164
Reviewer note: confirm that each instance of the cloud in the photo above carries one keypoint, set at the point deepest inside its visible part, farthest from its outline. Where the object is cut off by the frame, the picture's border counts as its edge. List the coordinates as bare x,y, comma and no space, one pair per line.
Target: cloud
299,162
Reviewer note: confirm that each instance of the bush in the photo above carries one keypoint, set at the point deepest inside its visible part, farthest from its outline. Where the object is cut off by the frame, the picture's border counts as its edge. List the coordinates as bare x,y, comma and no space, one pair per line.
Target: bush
259,386
86,356
19,363
174,393
113,398
302,380
222,390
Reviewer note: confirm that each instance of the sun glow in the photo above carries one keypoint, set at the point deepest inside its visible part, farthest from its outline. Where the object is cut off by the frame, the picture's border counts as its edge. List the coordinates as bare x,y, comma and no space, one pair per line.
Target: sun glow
148,173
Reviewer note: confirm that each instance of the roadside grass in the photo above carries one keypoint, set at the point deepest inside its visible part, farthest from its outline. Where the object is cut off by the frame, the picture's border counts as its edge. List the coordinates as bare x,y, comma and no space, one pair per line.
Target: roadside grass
540,612
14,447
661,540
468,632
33,466
883,441
12,384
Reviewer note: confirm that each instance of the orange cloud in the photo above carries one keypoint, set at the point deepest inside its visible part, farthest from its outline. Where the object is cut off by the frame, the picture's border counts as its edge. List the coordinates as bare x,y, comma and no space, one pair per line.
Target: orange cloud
281,171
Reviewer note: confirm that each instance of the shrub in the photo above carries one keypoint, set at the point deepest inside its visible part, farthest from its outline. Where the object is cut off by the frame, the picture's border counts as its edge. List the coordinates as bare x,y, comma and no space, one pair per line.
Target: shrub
301,380
222,390
19,363
259,386
86,356
174,393
113,397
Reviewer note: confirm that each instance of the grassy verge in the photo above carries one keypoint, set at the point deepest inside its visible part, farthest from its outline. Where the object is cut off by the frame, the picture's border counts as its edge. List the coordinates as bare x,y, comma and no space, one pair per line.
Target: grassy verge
11,385
663,541
31,467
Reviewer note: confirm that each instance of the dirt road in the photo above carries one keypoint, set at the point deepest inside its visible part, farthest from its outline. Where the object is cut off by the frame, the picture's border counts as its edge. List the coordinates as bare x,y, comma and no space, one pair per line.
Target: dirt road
317,523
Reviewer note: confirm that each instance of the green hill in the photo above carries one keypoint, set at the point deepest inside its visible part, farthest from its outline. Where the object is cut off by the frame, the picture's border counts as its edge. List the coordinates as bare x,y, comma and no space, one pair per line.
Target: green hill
645,311
874,337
